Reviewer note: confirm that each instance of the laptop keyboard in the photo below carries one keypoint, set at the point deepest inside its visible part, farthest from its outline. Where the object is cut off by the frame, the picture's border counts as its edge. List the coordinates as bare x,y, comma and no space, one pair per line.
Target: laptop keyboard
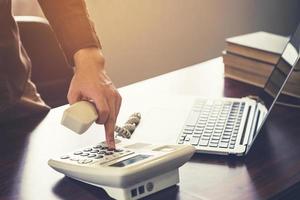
213,124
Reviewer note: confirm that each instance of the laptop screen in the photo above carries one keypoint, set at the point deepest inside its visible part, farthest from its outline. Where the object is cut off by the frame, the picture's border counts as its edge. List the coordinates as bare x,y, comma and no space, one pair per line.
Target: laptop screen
286,67
280,74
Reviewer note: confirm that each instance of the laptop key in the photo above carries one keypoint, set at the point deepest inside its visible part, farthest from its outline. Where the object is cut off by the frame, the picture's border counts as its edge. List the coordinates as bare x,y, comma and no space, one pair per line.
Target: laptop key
205,137
226,137
205,134
194,141
203,142
214,141
223,145
180,142
213,144
225,140
193,118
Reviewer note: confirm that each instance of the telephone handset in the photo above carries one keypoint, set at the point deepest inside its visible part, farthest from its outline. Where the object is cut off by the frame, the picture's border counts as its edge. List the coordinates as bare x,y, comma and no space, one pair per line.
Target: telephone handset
81,115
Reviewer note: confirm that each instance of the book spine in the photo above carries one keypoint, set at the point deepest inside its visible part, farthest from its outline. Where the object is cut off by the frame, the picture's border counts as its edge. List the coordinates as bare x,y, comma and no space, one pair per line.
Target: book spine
256,54
247,64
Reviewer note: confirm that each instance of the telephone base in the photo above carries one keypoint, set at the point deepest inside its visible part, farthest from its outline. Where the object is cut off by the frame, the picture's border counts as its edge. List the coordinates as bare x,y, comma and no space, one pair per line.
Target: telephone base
142,189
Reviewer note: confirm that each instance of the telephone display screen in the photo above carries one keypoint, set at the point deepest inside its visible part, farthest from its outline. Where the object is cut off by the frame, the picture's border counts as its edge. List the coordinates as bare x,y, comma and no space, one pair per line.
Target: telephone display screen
131,160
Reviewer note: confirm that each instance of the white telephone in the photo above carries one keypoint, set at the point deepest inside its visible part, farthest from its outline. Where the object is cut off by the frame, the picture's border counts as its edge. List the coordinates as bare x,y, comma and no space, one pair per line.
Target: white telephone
132,171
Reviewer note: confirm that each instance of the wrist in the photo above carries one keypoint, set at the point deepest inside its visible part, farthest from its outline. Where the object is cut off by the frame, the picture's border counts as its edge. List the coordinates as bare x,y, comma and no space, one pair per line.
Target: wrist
88,58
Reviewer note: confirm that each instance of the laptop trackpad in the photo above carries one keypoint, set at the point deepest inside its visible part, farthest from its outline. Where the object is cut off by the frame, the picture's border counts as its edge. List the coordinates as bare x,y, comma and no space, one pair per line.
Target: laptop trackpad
160,125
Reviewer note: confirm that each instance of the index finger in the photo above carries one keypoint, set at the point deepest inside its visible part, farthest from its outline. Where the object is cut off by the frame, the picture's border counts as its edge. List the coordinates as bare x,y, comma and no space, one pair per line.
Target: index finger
110,126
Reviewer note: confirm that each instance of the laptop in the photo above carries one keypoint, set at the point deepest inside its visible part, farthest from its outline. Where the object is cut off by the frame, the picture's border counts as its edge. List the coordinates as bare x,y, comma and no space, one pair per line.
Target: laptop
226,126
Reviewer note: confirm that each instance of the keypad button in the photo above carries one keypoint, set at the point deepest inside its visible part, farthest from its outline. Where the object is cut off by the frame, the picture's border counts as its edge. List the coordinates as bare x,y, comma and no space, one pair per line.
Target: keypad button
97,146
87,161
92,155
85,154
95,151
65,157
98,157
87,149
77,152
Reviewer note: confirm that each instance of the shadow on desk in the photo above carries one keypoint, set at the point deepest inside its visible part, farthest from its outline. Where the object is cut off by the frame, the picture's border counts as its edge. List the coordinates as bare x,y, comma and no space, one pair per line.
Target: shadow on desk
15,138
70,189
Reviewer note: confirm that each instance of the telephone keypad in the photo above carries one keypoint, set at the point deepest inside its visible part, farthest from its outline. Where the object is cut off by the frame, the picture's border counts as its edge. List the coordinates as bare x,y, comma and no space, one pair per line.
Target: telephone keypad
97,153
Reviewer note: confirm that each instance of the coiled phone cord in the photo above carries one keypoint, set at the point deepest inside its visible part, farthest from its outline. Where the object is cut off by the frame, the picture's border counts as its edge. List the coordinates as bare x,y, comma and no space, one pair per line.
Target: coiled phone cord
129,127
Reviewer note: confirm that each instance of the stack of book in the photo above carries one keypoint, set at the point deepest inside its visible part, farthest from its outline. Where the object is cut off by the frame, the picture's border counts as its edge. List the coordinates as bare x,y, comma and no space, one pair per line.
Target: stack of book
251,58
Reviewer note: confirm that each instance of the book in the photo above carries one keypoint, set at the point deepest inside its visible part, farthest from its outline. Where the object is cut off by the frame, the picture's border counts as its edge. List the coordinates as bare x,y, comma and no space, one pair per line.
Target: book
248,64
291,88
244,76
251,58
256,67
262,46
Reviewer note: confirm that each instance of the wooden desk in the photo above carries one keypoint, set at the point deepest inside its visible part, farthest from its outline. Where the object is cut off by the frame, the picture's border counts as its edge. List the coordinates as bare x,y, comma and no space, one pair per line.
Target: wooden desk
271,168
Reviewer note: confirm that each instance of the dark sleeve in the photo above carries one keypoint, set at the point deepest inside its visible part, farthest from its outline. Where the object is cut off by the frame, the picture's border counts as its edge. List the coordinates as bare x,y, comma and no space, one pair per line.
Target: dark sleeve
70,22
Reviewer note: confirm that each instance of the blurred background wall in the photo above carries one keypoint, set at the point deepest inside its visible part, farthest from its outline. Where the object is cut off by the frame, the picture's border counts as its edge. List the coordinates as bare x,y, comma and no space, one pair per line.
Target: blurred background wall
144,38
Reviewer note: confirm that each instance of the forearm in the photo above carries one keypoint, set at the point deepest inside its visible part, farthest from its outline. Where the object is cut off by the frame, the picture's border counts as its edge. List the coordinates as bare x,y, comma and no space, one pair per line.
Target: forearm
71,24
75,32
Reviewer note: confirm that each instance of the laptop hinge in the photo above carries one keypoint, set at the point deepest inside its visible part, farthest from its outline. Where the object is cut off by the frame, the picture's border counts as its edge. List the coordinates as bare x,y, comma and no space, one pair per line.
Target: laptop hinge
245,126
256,98
255,121
252,123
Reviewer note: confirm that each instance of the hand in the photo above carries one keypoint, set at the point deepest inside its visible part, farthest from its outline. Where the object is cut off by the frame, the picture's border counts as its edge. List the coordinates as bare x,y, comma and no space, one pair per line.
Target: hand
90,82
